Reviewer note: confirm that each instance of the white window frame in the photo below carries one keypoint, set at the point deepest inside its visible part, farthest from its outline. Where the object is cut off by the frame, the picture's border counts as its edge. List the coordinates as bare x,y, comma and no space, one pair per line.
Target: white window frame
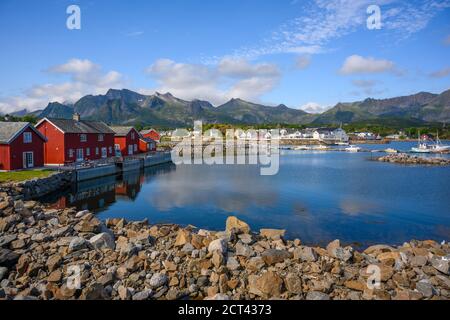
83,137
88,152
70,153
104,152
135,148
97,151
110,149
132,135
101,137
25,159
27,137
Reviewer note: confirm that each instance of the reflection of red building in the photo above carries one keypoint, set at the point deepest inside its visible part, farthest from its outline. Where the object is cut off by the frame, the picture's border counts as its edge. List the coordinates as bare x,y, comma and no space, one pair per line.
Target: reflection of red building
21,146
126,140
75,140
152,134
129,187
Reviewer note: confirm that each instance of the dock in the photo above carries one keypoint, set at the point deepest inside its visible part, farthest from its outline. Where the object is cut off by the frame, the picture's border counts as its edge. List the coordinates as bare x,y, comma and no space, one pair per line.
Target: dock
113,166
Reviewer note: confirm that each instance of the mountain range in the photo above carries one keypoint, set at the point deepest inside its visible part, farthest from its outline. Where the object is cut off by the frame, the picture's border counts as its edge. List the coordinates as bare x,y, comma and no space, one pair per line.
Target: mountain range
125,107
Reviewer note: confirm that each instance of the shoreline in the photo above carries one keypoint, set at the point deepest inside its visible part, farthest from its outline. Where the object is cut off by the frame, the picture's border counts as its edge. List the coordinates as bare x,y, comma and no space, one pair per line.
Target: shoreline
42,249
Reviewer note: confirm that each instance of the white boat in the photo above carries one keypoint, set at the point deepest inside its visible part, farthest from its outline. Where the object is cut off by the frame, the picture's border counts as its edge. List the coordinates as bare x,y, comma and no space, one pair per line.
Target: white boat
390,150
342,143
422,146
301,148
353,148
438,146
321,147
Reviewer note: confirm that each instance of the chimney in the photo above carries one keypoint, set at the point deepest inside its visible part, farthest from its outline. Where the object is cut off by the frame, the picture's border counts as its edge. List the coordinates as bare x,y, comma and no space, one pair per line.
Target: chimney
76,116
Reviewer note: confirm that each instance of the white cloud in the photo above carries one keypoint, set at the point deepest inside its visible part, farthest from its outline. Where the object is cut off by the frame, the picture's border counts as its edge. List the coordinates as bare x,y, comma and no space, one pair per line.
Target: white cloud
230,78
356,64
314,107
321,21
85,77
442,73
302,62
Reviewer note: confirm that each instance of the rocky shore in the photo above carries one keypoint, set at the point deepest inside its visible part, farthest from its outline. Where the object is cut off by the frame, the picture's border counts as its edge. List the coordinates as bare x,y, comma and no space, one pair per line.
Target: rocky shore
404,158
65,254
36,188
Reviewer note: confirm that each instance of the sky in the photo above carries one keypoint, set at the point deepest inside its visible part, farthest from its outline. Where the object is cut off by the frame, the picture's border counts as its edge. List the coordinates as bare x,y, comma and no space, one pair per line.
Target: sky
307,54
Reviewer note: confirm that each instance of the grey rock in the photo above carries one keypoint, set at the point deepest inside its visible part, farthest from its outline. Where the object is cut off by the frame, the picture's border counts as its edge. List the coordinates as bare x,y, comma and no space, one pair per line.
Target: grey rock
441,264
102,241
243,250
77,243
425,288
233,264
305,254
315,295
3,272
158,280
143,295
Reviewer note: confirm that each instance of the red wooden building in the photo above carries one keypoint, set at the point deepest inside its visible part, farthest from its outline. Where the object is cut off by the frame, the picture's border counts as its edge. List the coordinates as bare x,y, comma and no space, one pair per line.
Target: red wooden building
146,145
21,146
126,140
152,134
75,140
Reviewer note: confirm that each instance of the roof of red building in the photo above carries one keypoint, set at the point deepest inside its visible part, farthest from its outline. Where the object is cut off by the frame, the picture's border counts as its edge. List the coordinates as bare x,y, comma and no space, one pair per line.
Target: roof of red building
122,131
80,126
11,130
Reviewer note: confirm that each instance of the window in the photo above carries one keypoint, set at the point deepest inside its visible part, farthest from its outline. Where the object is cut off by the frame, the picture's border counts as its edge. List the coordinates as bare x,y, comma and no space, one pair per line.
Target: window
104,153
88,152
70,153
83,138
96,151
110,150
100,137
132,135
135,147
27,137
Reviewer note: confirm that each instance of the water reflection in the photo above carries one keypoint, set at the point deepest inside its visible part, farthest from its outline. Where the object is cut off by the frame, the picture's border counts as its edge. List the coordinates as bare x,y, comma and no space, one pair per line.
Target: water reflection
317,197
99,194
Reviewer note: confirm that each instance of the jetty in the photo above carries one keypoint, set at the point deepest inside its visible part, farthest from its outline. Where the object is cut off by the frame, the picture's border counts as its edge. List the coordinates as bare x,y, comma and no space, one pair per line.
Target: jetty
403,158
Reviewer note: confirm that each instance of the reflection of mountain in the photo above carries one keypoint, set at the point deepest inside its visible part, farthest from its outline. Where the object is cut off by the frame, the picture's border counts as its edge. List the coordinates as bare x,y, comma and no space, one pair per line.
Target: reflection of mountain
99,194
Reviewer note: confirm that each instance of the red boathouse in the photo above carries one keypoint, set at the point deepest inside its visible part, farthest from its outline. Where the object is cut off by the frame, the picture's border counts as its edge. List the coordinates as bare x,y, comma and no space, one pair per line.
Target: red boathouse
126,141
75,140
21,146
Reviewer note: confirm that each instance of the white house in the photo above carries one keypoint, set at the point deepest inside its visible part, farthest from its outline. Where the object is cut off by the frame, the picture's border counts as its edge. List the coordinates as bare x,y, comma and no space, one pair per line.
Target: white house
330,135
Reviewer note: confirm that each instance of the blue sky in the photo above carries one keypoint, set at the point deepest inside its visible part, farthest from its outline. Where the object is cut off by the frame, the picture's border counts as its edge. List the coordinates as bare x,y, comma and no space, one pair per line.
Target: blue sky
305,54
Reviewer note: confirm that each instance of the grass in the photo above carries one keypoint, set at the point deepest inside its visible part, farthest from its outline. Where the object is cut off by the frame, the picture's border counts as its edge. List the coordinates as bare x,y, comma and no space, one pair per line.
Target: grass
24,175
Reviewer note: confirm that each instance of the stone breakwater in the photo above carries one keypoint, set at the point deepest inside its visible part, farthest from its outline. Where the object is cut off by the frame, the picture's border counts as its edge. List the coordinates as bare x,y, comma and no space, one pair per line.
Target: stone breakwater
65,254
404,158
36,188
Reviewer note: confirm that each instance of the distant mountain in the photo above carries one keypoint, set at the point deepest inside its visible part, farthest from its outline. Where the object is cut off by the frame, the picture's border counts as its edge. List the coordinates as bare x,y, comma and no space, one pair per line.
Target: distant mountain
125,107
128,107
423,106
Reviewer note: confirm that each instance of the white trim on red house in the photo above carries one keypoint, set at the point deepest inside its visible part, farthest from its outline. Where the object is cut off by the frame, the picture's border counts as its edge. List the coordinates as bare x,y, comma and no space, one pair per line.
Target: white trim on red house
18,133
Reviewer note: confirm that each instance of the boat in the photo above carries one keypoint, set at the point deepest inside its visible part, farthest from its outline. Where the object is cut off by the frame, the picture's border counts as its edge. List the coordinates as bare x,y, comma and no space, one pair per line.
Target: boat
301,148
341,143
321,147
353,148
390,150
422,147
438,146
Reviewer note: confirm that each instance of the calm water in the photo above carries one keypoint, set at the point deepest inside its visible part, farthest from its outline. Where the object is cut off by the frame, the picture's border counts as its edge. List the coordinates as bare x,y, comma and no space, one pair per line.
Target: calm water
316,196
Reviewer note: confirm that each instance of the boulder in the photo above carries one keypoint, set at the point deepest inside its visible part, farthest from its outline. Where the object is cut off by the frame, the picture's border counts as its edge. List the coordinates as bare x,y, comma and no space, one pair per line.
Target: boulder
273,256
158,280
102,241
267,285
219,245
77,243
315,295
305,254
183,237
237,225
272,233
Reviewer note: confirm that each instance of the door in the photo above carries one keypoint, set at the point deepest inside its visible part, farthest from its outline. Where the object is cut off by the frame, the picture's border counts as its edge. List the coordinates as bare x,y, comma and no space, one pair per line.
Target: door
28,160
130,149
80,155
